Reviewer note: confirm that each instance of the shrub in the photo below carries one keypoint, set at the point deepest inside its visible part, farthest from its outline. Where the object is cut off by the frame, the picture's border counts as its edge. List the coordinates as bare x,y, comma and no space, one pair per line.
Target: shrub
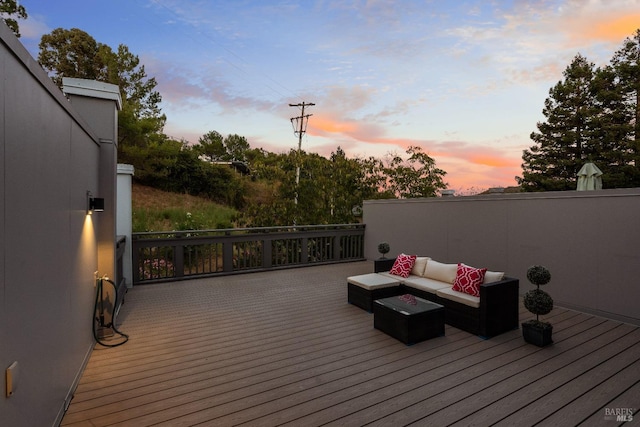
536,300
383,248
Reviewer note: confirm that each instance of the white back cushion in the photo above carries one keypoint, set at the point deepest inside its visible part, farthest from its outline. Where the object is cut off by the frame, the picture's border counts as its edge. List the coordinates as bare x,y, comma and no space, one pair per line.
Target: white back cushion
419,265
439,271
493,276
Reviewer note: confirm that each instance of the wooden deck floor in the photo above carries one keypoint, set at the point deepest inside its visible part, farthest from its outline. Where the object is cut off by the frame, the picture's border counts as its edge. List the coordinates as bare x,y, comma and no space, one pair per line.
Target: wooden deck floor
285,348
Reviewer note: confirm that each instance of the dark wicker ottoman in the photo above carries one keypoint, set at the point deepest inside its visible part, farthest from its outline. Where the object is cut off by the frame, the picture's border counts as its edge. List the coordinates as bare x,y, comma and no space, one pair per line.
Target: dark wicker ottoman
408,318
364,289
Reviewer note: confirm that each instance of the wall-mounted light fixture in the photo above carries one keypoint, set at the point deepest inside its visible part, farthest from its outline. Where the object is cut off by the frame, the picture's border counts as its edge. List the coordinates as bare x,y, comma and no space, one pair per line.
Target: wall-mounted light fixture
94,204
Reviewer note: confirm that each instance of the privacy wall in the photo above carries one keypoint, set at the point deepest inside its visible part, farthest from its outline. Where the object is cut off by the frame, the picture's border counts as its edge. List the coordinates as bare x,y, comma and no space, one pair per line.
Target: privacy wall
49,159
588,240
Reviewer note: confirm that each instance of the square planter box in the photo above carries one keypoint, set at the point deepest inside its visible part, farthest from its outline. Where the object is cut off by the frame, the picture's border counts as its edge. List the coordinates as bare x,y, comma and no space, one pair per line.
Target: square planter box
537,336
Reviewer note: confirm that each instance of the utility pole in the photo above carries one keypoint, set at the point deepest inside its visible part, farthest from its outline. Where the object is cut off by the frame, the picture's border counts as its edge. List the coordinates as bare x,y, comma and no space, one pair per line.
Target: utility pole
299,128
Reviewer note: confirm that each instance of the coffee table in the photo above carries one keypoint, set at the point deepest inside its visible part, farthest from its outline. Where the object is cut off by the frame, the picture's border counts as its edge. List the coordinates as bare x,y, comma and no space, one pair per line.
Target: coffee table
408,318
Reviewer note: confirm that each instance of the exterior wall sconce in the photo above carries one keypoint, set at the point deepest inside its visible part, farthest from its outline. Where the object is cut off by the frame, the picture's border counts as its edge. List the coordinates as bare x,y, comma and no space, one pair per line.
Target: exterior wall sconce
94,204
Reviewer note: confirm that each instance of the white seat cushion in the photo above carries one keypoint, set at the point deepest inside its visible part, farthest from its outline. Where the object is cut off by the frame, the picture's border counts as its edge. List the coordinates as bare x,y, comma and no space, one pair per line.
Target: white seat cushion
395,276
373,281
425,284
466,299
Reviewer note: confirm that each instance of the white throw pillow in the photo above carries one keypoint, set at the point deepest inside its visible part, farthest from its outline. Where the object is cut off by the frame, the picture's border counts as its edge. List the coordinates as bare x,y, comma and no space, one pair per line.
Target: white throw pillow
442,272
419,265
493,276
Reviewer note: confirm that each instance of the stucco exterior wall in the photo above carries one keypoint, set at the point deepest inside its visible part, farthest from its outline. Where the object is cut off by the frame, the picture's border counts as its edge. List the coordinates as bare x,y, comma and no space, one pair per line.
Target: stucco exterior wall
588,240
49,159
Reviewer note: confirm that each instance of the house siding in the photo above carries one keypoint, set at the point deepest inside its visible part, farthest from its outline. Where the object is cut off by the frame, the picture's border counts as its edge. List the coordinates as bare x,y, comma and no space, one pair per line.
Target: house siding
49,159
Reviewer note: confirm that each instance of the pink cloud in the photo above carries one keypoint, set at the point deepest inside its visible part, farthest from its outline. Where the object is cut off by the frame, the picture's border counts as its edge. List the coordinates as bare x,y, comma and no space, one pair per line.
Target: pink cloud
605,24
185,89
468,165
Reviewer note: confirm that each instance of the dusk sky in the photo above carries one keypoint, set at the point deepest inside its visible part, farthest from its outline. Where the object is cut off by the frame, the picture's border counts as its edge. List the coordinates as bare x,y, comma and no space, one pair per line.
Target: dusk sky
464,80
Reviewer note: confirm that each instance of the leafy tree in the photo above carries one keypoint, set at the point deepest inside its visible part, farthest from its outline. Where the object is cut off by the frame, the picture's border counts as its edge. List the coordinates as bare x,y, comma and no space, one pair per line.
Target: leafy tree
236,147
562,141
374,179
418,176
329,189
211,146
174,166
275,205
216,148
9,11
74,53
265,165
352,182
346,187
314,190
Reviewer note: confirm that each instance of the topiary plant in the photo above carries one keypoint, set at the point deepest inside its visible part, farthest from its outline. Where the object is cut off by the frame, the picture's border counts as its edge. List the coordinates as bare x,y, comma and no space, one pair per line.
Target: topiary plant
538,275
383,248
536,300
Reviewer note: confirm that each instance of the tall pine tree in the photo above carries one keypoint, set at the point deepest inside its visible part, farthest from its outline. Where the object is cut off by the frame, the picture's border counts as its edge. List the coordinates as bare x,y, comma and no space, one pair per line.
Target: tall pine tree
610,147
626,65
74,53
562,141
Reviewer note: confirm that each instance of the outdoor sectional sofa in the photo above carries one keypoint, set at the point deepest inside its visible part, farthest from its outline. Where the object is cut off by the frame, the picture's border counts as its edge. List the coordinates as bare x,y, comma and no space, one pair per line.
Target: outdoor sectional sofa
493,312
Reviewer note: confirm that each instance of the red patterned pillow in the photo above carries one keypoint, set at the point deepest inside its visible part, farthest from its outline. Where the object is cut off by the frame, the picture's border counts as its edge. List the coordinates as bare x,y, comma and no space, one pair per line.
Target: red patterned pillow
403,265
469,279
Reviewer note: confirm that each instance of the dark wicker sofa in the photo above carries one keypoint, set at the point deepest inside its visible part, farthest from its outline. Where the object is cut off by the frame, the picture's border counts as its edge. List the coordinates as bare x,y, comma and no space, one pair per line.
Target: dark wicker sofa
497,311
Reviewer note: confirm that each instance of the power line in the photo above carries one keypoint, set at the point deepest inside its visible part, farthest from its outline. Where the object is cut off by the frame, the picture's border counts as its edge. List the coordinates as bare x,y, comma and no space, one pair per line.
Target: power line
299,128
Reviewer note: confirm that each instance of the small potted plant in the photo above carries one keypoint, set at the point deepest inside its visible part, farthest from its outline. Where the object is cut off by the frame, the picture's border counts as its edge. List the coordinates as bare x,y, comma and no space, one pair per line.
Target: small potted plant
383,248
539,303
382,263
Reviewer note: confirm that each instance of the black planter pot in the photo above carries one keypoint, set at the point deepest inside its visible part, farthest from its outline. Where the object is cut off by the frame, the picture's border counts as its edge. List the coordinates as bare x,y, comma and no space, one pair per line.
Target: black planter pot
383,264
534,334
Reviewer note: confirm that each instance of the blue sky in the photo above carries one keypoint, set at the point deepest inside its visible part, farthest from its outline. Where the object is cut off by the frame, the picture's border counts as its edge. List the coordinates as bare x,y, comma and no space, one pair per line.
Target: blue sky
464,80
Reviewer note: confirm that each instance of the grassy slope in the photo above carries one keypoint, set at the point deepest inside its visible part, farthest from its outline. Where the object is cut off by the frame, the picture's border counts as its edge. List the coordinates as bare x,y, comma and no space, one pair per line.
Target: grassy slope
157,210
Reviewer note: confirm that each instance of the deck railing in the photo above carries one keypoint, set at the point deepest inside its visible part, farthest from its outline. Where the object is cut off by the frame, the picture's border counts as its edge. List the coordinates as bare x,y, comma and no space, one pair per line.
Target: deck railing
168,256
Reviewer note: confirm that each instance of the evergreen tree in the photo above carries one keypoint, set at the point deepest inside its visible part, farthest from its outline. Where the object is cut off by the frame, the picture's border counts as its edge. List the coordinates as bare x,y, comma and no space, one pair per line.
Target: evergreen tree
236,147
562,141
626,65
610,144
74,53
211,146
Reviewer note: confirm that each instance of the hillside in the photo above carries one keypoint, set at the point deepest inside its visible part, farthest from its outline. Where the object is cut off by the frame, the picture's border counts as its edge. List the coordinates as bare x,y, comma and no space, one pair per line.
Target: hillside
157,210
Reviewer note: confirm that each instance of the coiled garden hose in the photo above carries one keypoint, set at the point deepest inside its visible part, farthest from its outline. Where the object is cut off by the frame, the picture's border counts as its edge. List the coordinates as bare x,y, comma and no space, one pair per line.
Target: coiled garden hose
100,320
